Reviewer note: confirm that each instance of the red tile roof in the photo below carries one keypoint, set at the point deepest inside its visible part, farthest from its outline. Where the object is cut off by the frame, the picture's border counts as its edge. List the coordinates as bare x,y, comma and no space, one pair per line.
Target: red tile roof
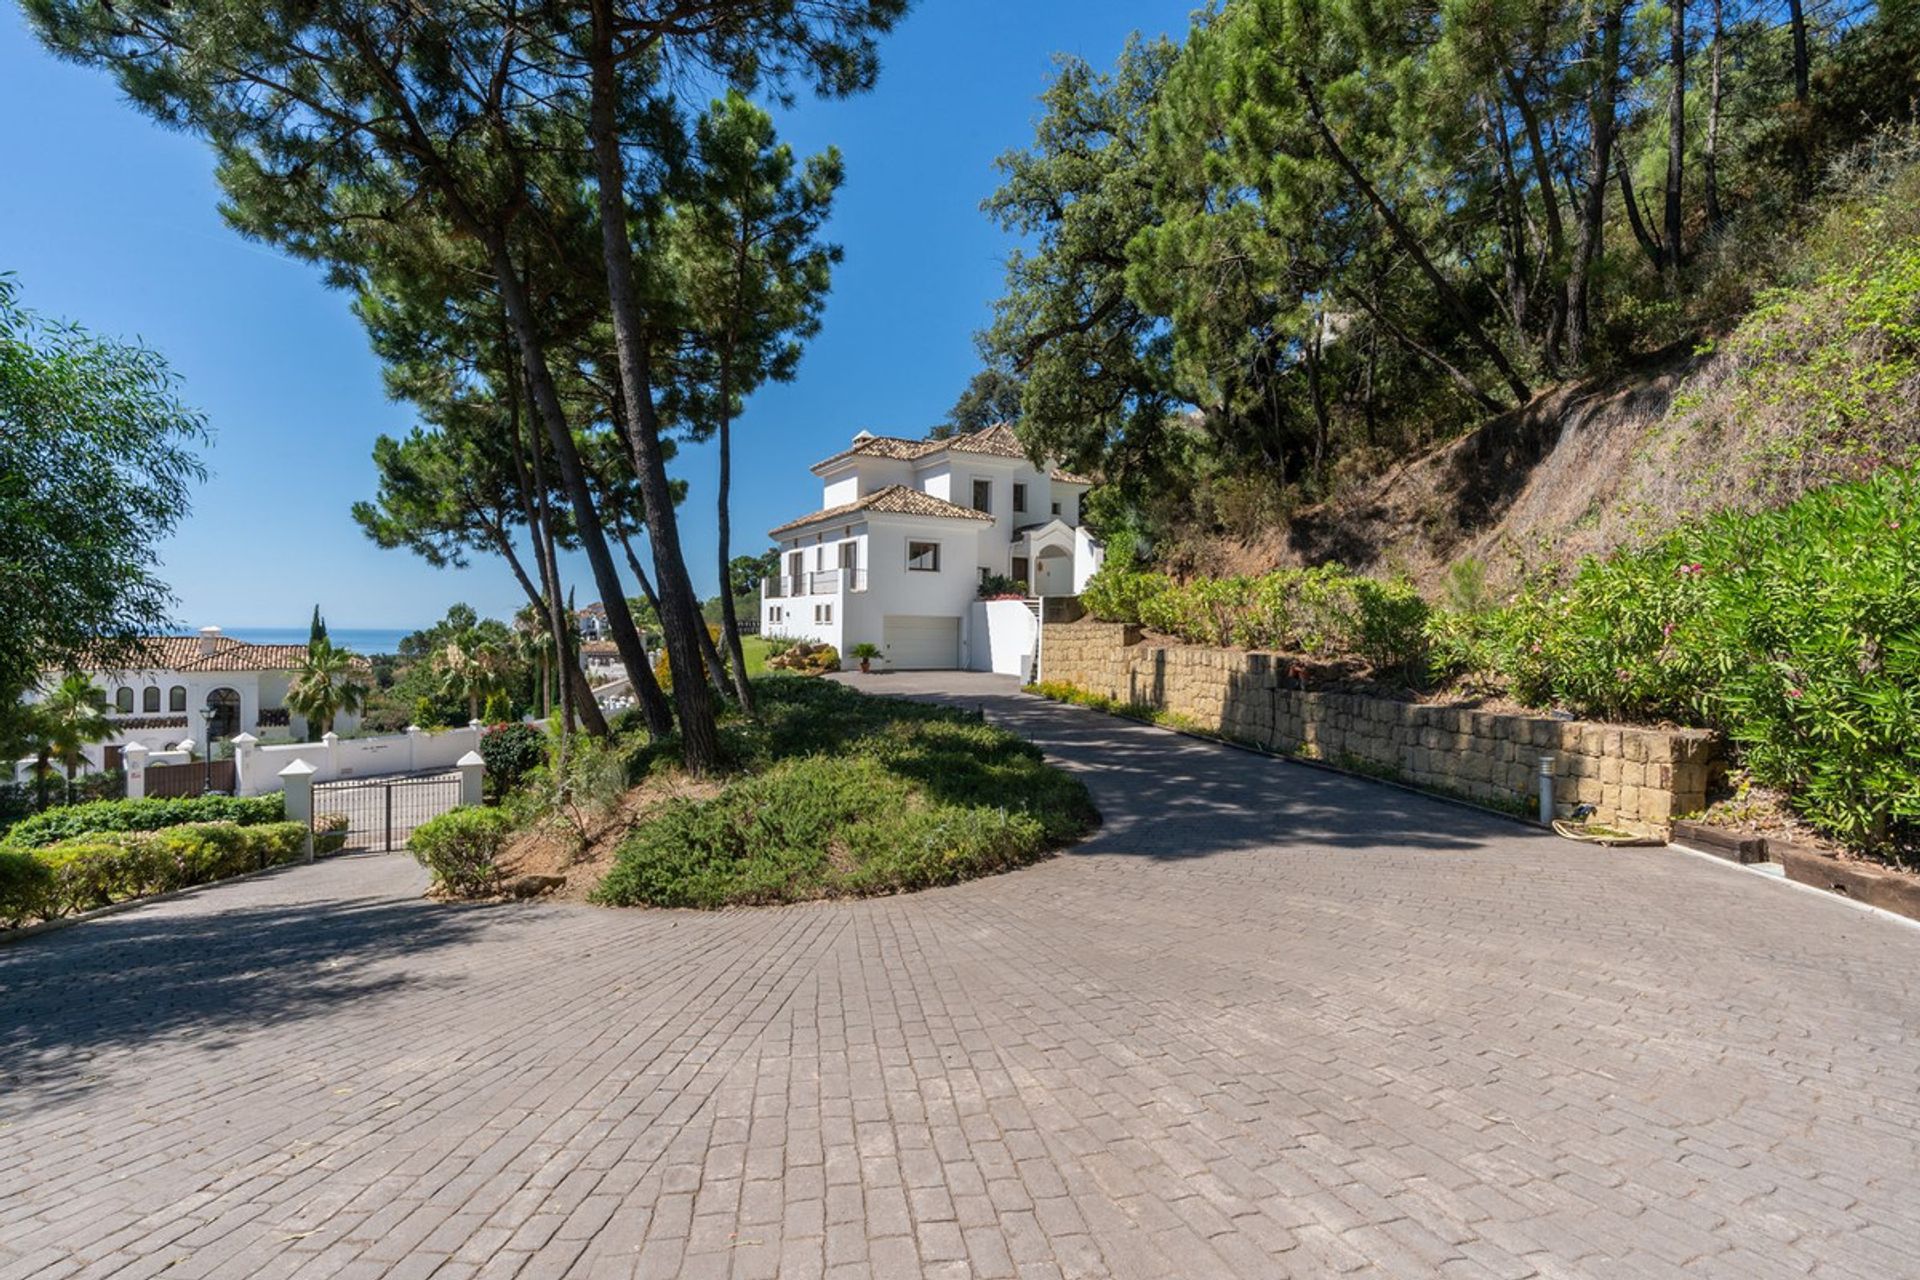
183,653
997,440
895,499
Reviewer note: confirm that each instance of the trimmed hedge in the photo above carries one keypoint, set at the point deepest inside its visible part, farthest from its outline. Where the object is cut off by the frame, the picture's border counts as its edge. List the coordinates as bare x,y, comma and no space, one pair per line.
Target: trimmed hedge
152,814
460,847
102,868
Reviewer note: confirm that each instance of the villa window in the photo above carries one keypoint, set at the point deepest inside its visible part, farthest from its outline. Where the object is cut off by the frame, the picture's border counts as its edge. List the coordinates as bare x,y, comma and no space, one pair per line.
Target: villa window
849,555
123,701
983,495
177,698
823,613
1056,508
150,699
1019,497
923,557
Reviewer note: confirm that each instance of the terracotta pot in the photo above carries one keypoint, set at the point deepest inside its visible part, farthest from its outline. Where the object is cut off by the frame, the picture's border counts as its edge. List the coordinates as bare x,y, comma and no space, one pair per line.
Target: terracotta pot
866,666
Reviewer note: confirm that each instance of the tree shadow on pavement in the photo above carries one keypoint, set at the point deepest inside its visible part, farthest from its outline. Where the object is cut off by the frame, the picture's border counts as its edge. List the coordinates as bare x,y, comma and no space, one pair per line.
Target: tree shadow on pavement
73,1001
1164,795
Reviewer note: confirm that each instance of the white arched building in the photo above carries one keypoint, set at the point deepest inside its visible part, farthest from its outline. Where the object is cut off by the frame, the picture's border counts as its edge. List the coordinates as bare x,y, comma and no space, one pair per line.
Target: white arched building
162,696
908,531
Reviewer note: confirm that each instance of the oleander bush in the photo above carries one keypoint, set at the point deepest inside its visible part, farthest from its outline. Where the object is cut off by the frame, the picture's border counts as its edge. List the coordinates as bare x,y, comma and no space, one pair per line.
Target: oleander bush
150,814
841,793
1795,631
460,848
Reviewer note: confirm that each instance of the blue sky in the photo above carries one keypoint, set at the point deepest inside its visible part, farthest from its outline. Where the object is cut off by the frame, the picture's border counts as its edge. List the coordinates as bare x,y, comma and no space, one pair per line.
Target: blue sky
110,221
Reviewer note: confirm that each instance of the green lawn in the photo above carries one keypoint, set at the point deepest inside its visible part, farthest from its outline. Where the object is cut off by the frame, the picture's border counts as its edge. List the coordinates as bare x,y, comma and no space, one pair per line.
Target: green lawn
755,647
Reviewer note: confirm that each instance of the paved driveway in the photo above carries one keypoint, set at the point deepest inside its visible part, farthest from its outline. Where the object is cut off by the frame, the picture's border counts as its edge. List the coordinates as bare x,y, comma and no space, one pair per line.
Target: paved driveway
1268,1022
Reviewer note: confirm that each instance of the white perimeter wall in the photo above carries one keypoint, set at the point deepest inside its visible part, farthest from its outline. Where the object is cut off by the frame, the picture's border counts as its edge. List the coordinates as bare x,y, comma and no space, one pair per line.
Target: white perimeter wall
414,752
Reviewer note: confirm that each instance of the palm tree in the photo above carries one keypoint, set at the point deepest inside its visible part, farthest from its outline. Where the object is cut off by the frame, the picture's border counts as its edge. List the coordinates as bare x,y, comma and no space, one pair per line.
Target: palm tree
533,646
328,684
73,717
469,668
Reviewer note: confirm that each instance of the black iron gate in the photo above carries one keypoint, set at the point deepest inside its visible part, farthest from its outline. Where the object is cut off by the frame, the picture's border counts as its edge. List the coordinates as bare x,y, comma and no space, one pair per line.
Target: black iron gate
381,813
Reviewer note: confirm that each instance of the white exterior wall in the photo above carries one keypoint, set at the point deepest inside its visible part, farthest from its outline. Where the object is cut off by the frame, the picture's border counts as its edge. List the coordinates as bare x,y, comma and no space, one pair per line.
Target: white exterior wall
894,589
356,757
841,490
1005,636
1088,556
1068,496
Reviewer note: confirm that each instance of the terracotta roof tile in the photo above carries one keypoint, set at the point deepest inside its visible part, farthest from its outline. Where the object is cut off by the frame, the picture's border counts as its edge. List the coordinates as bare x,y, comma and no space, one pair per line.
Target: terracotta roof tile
895,499
182,653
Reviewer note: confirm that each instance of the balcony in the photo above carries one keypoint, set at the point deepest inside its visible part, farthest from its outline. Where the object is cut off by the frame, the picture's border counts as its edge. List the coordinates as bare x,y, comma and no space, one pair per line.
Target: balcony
824,582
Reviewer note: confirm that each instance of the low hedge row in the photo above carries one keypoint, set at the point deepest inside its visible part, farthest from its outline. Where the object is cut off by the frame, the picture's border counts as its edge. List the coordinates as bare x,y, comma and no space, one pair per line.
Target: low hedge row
104,867
75,820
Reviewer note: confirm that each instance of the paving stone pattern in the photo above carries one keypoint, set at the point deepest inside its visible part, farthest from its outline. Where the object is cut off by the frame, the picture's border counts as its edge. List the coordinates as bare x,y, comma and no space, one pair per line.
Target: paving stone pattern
1267,1022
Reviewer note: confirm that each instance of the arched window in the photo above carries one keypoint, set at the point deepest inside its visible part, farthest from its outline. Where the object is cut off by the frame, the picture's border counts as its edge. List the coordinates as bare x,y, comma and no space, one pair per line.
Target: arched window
226,714
150,699
177,698
123,701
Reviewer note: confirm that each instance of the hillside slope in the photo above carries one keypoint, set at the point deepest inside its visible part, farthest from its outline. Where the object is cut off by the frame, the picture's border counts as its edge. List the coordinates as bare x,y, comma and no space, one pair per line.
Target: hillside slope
1820,382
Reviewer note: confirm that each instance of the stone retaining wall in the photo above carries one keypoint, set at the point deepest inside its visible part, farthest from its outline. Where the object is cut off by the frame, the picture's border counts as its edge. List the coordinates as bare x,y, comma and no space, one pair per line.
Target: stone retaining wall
1634,777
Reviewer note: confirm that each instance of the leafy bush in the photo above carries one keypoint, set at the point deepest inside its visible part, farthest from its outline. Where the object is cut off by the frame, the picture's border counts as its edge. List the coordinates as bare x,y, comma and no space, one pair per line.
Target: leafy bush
511,751
101,868
855,795
143,815
460,847
998,586
25,885
1323,611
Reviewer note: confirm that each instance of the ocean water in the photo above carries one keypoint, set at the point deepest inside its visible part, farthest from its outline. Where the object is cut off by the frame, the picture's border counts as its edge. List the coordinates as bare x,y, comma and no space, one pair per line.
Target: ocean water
367,640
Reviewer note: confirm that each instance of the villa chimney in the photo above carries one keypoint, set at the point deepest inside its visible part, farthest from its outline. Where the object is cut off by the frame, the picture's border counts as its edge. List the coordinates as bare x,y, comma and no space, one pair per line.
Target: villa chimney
862,436
209,637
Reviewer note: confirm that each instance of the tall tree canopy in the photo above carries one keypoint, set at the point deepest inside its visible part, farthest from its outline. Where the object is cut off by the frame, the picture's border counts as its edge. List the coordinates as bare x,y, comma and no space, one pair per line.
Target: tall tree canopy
98,457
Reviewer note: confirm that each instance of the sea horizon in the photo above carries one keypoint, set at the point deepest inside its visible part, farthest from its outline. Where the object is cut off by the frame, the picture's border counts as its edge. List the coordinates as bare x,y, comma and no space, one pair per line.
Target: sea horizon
363,640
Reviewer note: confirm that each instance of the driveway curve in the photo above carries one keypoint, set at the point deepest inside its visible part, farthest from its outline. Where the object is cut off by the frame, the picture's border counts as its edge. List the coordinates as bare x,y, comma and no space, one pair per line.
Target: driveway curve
1267,1022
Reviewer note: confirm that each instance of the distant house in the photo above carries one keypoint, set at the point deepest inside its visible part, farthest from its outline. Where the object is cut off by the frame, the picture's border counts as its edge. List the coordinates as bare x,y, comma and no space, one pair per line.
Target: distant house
205,687
592,621
601,660
908,531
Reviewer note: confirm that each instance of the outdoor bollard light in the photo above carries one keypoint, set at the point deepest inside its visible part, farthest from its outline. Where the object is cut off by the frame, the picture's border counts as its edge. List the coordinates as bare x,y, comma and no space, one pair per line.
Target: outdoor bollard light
1546,790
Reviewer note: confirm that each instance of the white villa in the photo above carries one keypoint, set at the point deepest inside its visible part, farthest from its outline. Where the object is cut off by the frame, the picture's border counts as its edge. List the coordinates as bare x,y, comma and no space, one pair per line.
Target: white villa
164,701
908,531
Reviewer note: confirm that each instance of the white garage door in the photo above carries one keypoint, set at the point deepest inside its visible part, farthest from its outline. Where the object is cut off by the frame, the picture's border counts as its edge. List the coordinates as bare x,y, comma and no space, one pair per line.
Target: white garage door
922,644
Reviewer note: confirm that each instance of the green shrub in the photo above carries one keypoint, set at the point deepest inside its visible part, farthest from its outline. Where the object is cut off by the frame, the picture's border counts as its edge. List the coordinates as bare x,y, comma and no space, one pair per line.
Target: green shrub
142,815
460,847
853,795
101,868
25,885
511,751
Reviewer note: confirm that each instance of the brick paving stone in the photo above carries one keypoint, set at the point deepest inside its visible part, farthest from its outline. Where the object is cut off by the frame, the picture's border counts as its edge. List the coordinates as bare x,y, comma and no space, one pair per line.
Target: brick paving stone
1266,1022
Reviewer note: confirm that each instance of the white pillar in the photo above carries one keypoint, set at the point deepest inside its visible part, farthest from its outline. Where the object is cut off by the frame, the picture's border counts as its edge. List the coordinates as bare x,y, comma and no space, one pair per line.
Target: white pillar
136,757
479,730
297,781
329,740
472,772
243,763
413,746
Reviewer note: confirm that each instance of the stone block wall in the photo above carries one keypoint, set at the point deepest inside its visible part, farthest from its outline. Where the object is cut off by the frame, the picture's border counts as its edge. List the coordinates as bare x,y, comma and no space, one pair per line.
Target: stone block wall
1635,777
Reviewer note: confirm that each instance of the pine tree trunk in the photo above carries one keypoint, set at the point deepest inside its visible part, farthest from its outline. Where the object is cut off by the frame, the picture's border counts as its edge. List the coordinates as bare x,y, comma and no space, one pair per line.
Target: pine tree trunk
1410,244
1710,159
1604,47
1676,143
587,527
729,620
683,625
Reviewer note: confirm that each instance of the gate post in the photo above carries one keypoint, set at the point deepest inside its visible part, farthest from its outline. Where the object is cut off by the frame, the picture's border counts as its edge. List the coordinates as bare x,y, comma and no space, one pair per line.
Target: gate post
472,771
135,757
243,766
297,778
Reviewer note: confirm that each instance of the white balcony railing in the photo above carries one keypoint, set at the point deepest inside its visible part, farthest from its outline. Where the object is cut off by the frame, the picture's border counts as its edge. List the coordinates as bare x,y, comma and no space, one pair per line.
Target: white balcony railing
824,582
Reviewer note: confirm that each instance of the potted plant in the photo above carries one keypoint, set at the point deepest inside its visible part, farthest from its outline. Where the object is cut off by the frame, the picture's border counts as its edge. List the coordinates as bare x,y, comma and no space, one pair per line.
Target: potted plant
866,652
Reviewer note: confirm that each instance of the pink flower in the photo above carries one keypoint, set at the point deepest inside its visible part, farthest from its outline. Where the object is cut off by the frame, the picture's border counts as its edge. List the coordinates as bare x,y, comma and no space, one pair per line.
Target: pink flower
1667,630
1793,692
1622,676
